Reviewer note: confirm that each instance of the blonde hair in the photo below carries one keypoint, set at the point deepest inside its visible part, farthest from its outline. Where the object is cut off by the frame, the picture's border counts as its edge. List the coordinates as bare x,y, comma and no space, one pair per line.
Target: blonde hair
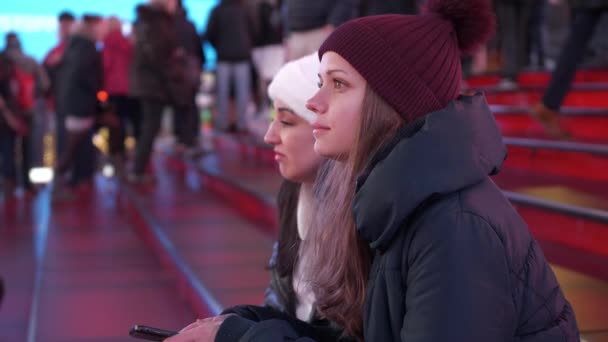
339,258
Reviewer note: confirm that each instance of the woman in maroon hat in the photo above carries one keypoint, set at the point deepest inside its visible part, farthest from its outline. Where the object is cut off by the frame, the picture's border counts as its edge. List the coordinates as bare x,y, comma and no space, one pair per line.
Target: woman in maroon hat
412,239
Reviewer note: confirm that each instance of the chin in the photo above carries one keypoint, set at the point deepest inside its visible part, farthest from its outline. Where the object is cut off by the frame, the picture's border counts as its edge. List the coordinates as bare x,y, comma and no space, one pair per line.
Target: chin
325,151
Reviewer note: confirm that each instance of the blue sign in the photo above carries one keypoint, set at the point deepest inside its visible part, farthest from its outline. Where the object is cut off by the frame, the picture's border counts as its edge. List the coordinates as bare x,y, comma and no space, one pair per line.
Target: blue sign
35,21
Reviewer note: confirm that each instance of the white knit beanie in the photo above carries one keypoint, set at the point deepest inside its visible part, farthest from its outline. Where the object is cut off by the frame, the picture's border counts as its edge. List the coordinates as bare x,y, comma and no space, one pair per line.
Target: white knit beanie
295,83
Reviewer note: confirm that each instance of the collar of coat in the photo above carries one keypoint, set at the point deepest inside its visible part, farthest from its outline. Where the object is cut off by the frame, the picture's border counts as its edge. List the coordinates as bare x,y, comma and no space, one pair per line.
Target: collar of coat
440,153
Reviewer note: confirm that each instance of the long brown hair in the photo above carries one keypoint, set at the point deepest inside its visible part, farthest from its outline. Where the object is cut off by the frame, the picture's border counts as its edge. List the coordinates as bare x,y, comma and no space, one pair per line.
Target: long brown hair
339,260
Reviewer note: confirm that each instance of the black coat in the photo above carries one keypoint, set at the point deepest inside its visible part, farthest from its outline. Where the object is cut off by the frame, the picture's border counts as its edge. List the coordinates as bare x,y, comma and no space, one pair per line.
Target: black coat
81,77
453,259
230,30
589,4
158,70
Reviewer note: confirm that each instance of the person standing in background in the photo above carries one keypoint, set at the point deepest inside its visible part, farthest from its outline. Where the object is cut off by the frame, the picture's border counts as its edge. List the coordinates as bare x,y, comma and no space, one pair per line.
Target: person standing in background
117,58
374,7
186,123
31,82
587,14
81,79
52,63
230,31
158,75
309,22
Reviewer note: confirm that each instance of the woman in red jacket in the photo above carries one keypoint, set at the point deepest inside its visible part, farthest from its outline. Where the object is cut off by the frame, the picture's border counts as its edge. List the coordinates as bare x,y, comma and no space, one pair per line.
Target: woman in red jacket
117,57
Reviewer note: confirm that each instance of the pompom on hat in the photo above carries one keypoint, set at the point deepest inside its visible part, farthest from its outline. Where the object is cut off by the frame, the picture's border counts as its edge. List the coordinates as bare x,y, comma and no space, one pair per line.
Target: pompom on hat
295,83
413,61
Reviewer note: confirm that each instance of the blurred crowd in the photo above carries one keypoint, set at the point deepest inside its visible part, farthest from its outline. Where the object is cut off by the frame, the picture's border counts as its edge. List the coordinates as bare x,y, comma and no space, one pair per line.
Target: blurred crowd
101,76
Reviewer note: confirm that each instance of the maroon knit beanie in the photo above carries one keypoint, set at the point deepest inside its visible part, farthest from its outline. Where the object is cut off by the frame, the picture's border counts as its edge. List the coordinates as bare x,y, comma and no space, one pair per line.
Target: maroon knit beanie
413,61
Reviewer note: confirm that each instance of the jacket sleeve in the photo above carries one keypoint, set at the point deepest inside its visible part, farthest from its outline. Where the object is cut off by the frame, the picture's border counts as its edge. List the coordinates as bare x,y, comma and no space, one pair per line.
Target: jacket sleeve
342,11
273,330
211,30
261,323
458,283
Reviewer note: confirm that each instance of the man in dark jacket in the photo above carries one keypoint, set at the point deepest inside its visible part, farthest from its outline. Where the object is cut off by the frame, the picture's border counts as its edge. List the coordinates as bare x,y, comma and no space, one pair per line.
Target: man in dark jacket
186,123
230,31
11,125
158,75
309,22
52,64
81,79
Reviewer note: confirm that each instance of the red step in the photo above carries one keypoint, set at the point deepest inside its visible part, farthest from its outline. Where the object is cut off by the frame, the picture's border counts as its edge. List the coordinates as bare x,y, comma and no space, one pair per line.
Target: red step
565,210
18,236
541,78
573,159
221,254
587,124
591,98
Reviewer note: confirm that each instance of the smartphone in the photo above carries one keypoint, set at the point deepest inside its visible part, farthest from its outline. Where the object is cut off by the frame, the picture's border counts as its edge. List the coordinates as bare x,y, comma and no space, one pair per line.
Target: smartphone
151,334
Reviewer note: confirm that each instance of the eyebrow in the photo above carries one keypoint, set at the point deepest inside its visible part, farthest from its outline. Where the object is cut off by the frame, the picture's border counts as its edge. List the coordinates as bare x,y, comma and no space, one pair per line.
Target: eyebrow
331,71
285,109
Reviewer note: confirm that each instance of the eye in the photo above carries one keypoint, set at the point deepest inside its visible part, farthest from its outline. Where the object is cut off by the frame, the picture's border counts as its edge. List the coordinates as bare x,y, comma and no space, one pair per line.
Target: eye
286,123
338,84
319,84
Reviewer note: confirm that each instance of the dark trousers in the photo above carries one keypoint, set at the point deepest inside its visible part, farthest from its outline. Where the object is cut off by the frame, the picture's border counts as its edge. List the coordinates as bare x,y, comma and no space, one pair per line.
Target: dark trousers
78,156
581,32
60,133
513,19
85,161
129,112
186,124
15,157
152,112
8,160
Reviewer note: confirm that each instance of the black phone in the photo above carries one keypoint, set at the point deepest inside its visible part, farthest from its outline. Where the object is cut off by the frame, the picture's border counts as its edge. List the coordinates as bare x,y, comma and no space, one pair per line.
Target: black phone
151,334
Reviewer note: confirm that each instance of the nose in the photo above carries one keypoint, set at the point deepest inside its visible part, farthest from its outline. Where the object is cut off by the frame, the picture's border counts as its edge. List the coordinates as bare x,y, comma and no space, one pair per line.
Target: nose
272,137
317,103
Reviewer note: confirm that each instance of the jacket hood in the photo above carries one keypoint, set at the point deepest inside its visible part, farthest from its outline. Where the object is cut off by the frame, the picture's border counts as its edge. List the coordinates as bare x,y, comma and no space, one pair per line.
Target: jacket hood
440,153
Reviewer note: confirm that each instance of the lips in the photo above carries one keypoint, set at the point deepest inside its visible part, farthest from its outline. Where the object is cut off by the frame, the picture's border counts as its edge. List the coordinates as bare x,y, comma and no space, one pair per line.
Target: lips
278,156
317,125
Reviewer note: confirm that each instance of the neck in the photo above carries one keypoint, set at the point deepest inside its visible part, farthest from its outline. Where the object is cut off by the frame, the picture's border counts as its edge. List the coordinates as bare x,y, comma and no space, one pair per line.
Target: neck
304,207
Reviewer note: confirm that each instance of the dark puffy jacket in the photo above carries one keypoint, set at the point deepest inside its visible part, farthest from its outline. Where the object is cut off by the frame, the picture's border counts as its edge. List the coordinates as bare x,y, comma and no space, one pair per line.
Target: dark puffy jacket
158,69
188,38
453,259
589,4
306,15
375,7
230,31
81,77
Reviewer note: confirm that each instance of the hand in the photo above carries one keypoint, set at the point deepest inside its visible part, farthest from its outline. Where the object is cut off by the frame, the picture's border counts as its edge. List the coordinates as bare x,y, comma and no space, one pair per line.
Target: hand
203,330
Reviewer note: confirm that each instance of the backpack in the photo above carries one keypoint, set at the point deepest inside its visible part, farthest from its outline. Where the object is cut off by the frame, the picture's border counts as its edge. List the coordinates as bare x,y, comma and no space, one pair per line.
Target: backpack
24,88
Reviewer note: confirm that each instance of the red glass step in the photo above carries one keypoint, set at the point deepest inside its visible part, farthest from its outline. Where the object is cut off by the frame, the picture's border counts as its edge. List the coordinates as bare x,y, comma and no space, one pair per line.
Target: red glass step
583,124
541,78
579,160
589,98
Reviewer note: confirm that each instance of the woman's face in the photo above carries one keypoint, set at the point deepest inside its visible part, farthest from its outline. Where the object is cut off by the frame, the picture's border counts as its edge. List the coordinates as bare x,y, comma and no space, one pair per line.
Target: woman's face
338,106
293,144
